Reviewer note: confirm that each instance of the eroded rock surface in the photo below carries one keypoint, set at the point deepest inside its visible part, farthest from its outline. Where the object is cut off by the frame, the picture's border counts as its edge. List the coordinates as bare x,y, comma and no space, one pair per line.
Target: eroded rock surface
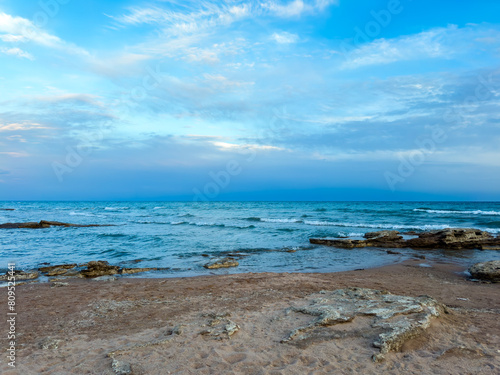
451,238
99,268
489,271
394,319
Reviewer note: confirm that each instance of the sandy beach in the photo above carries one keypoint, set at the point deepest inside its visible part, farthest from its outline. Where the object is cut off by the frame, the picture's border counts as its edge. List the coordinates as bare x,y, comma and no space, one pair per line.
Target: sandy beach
235,324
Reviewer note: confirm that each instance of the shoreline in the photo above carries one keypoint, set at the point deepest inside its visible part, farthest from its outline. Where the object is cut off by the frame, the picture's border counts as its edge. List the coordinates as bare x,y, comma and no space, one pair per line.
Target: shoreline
76,328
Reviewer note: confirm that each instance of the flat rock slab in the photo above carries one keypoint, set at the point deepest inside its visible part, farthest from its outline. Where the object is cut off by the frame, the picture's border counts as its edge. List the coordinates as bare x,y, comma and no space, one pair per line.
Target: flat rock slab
392,319
452,238
47,224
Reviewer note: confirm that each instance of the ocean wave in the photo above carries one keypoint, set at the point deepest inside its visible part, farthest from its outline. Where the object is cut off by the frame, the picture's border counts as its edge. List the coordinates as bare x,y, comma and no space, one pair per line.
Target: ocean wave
74,213
475,212
378,226
281,220
116,208
178,222
493,230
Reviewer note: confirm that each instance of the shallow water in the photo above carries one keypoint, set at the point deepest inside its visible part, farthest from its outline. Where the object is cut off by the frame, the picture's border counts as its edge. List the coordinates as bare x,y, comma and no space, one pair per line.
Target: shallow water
176,234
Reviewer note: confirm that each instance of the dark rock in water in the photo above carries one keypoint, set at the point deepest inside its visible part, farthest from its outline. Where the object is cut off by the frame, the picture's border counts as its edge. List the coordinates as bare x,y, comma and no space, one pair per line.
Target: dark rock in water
20,275
99,268
452,238
47,224
486,271
7,209
222,263
392,252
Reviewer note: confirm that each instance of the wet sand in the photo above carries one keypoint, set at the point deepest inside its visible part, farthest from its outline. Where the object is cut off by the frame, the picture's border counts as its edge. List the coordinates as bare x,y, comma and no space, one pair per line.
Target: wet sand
173,326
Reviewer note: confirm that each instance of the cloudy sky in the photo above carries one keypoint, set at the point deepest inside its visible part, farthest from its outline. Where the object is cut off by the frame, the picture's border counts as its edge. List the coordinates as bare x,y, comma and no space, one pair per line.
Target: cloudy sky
249,100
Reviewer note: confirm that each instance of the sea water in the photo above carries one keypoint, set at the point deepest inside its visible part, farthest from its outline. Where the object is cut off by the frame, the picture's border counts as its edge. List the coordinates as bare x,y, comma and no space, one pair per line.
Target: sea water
181,237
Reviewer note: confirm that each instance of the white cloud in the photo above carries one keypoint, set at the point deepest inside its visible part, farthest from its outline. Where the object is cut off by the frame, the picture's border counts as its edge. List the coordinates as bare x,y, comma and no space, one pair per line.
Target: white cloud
12,38
18,27
296,8
21,127
16,52
285,38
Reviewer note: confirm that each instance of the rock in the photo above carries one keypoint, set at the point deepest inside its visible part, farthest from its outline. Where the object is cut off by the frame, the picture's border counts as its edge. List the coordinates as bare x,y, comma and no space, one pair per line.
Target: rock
136,270
57,267
104,278
120,367
383,234
222,263
394,319
392,252
47,224
220,327
99,268
451,238
7,209
58,284
486,271
20,275
49,343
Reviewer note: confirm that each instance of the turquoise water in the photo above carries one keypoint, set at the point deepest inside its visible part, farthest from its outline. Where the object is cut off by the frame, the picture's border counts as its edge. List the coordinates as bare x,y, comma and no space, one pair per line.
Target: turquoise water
174,235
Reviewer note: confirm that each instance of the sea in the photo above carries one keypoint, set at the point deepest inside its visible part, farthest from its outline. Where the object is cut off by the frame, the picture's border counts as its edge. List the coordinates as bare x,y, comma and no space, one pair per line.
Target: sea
181,237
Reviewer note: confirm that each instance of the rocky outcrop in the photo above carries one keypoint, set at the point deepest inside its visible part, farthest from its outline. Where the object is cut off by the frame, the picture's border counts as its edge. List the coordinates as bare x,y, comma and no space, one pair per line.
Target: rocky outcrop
99,268
222,263
489,271
452,238
46,224
394,319
20,275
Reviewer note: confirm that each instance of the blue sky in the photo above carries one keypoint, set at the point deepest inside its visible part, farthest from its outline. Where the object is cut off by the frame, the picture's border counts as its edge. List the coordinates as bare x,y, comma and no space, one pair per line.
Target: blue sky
250,100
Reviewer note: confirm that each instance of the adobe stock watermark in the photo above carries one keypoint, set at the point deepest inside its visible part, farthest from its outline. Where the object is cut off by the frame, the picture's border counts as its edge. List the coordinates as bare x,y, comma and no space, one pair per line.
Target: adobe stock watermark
485,89
75,155
379,20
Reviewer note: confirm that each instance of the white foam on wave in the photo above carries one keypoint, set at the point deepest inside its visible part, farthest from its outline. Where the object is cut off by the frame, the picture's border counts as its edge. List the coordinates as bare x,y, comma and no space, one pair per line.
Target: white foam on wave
116,208
74,213
281,220
475,212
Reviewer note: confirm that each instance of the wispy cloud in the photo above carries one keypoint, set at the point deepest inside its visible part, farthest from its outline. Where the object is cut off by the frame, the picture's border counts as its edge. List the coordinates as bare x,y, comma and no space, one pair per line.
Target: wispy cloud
285,38
17,29
15,51
437,43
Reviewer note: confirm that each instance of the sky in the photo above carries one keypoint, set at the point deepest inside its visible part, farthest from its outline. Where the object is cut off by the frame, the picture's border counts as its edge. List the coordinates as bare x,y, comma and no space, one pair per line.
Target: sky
249,100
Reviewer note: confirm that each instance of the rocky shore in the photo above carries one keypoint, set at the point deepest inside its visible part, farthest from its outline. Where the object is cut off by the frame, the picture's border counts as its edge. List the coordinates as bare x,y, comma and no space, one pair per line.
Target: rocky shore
392,320
453,238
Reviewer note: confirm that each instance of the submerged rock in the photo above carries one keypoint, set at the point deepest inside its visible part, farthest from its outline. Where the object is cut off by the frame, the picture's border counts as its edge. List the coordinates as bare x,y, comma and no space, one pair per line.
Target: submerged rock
395,319
136,270
451,238
99,268
47,224
486,271
222,263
